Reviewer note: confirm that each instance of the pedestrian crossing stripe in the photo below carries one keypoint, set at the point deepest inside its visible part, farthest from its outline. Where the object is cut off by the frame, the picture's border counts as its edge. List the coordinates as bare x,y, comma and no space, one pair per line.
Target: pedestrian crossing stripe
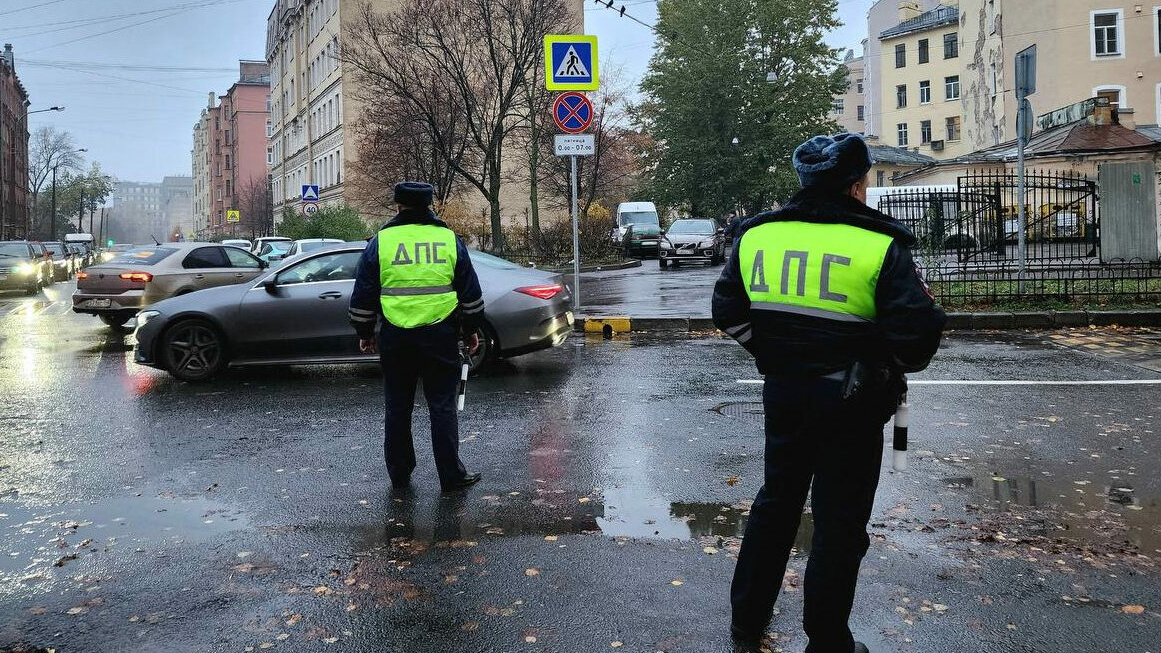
571,66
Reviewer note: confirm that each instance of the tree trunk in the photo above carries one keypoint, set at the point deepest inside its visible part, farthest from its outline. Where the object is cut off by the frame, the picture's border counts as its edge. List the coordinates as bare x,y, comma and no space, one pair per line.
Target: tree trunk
494,212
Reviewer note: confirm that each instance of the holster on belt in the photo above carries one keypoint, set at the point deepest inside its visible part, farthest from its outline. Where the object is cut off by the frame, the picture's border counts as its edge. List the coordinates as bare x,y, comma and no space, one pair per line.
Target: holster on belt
862,378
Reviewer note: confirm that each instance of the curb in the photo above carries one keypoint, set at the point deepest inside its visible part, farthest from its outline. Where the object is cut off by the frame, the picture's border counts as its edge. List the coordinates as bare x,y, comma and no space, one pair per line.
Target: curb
597,268
984,321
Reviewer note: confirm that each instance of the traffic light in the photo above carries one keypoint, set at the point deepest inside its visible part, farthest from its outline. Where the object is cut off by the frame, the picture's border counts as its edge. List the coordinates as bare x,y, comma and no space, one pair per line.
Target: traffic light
109,243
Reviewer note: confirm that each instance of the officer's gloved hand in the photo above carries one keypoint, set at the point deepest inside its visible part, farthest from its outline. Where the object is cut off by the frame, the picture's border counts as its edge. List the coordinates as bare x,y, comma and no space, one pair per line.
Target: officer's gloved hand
472,342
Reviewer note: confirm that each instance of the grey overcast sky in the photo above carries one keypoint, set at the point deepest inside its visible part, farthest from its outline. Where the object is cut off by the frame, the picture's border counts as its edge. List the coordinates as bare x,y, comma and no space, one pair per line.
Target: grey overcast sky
134,74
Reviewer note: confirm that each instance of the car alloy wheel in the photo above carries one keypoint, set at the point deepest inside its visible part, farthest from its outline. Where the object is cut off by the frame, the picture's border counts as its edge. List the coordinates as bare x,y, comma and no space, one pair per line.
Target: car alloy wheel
193,350
486,351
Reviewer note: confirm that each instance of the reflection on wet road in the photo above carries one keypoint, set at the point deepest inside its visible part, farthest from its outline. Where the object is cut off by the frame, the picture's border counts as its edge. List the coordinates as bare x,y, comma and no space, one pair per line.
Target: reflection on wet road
134,509
649,291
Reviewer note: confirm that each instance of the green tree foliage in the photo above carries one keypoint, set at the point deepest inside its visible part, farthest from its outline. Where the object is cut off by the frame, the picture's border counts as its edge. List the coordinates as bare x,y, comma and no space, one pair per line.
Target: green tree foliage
93,187
722,133
342,222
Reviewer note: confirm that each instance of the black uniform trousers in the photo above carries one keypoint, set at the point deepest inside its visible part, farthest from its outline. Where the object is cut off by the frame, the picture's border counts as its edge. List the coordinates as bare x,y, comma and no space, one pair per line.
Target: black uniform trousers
817,441
431,355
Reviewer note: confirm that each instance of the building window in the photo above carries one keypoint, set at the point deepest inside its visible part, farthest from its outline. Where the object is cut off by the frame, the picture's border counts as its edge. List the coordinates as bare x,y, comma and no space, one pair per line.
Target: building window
951,46
269,156
229,188
1115,95
953,128
902,129
924,51
838,105
1157,34
859,86
880,178
901,55
268,103
925,92
227,162
269,129
219,193
1106,33
862,113
951,87
995,81
992,16
925,132
901,96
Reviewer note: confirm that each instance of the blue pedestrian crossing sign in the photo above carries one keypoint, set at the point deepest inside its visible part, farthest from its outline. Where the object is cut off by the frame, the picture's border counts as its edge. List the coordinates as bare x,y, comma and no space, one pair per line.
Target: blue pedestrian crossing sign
570,62
309,193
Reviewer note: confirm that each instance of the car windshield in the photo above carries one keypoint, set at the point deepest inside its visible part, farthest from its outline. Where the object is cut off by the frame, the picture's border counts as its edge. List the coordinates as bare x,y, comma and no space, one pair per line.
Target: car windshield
700,227
120,248
489,261
14,250
143,256
275,246
638,217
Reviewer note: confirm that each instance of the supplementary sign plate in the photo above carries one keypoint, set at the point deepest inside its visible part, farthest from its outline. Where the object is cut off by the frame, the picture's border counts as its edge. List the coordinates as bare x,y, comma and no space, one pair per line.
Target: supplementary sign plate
572,113
570,62
575,145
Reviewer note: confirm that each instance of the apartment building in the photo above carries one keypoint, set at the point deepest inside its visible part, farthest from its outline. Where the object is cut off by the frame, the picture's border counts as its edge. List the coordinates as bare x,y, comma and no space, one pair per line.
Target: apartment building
882,15
231,152
142,211
922,82
14,194
849,109
1085,48
307,142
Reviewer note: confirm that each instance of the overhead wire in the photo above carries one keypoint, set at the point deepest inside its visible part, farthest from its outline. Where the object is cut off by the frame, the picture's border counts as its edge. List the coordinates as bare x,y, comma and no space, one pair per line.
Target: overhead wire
43,4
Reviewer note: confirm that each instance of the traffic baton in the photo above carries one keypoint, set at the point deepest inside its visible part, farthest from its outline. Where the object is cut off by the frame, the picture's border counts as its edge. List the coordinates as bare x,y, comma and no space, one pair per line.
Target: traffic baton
899,455
465,366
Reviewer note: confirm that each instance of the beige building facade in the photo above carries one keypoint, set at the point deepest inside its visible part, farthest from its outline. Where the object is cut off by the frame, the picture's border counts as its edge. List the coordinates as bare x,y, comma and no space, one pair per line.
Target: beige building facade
1085,48
921,83
849,110
883,15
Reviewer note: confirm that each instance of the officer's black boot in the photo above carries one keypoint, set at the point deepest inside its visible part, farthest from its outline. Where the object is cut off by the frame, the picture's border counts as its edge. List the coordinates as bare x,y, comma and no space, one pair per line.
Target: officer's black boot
467,481
861,648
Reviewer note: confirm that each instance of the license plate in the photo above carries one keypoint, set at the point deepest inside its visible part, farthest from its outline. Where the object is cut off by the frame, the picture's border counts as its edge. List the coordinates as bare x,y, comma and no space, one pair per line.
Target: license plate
649,243
97,303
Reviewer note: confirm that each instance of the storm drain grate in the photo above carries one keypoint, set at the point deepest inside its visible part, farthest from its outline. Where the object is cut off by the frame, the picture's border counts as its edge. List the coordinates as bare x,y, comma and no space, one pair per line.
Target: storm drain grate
748,410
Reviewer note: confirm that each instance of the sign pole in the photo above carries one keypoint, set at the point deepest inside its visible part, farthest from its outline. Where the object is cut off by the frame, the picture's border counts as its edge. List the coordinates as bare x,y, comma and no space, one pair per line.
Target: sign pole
1021,191
576,291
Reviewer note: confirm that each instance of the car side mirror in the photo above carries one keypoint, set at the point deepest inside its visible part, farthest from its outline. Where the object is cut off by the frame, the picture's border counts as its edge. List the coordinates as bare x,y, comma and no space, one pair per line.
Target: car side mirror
262,265
721,231
271,285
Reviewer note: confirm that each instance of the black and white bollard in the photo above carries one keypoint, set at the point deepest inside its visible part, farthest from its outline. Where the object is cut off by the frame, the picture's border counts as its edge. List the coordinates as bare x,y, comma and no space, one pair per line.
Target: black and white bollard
902,421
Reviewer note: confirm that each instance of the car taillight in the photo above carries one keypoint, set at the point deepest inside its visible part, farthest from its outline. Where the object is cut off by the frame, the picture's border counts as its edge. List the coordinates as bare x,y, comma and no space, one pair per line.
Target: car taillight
542,292
82,275
140,277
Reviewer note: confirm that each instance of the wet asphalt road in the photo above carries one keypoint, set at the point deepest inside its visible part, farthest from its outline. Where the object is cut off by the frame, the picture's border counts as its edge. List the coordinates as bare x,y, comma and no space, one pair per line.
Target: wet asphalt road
649,291
142,514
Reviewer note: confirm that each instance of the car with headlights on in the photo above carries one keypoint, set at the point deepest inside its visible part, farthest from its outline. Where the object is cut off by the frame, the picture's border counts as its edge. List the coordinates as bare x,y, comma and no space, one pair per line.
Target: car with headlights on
117,289
692,240
63,260
297,315
23,267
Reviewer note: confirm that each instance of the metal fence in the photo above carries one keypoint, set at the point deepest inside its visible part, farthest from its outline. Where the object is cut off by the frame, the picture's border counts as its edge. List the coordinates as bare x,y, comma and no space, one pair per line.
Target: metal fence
975,221
1066,281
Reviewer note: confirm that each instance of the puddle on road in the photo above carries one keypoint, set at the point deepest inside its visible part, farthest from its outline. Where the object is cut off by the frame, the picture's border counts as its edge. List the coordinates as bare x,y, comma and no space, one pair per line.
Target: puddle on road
39,544
1077,510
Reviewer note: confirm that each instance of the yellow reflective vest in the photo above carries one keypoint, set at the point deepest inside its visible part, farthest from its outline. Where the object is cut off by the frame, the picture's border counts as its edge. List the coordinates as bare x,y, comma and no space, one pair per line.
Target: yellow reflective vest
417,264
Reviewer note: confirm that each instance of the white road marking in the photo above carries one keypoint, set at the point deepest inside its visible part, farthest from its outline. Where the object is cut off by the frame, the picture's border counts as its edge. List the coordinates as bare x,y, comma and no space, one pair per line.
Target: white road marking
1006,382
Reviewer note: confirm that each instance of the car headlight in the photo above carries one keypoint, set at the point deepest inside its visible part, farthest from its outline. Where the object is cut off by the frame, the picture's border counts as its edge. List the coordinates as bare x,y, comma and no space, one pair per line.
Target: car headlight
25,268
665,244
705,244
144,316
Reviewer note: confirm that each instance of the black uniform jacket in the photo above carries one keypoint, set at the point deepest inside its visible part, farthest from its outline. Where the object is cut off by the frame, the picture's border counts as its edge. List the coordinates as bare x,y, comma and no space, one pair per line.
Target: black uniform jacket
904,337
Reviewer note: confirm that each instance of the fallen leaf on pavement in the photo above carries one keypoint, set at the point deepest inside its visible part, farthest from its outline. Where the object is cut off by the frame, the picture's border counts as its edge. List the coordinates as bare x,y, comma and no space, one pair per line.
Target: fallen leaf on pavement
294,618
583,500
1133,609
532,571
710,550
676,583
616,644
549,538
530,639
732,481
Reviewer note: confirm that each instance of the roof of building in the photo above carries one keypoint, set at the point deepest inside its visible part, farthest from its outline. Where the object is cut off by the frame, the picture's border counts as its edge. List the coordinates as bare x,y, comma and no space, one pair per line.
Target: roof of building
898,156
939,16
1151,131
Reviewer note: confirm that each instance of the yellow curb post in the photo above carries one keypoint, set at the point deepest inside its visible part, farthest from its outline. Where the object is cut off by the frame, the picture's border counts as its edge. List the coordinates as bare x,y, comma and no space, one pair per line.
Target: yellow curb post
617,324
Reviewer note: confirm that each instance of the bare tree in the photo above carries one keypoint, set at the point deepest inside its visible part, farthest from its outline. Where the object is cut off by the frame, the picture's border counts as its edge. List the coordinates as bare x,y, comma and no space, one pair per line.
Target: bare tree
461,68
256,205
48,149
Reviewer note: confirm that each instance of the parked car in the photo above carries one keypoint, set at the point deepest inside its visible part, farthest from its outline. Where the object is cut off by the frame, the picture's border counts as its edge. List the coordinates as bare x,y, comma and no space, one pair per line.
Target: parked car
273,250
84,245
23,267
305,246
238,242
692,240
261,241
298,315
638,229
62,260
117,289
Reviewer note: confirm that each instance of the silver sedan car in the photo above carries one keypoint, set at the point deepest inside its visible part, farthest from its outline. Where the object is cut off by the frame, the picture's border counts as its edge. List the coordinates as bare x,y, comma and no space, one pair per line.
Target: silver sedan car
115,290
298,315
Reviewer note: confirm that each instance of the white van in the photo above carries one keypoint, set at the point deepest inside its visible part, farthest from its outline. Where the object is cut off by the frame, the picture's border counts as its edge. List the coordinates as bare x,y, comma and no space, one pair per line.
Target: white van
635,213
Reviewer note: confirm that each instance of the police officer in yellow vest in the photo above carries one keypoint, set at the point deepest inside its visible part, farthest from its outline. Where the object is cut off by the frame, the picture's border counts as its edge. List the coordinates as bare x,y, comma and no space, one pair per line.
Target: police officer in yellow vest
416,275
826,297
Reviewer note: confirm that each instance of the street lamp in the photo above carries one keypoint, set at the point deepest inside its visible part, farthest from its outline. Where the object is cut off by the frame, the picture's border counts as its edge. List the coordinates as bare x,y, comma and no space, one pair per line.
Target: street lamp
52,216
